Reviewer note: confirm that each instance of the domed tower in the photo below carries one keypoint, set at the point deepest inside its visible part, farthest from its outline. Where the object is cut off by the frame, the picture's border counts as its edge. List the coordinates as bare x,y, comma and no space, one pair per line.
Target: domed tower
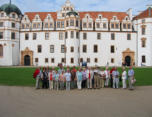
10,16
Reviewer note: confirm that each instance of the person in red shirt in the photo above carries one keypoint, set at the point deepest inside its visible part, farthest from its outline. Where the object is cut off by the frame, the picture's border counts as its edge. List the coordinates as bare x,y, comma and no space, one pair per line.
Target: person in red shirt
73,78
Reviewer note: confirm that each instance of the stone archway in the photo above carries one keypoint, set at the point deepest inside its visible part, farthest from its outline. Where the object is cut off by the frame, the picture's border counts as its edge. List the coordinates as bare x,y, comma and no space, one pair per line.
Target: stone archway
25,55
128,54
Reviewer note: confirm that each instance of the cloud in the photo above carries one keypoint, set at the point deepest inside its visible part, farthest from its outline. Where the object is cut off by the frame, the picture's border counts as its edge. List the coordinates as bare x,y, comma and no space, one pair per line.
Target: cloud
83,5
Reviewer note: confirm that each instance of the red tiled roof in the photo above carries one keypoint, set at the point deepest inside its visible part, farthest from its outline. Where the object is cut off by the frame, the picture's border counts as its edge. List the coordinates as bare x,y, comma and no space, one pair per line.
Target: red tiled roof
144,14
94,15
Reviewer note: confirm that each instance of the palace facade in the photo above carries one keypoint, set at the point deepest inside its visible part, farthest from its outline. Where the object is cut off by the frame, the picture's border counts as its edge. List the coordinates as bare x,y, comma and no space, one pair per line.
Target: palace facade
72,37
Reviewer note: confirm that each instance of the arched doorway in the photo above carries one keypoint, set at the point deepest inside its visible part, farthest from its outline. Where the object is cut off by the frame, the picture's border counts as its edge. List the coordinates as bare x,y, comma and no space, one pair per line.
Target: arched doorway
27,60
128,60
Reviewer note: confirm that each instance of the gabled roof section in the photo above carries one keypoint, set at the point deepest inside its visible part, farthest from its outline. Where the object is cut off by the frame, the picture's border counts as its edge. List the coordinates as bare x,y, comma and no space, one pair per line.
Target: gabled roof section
145,14
93,15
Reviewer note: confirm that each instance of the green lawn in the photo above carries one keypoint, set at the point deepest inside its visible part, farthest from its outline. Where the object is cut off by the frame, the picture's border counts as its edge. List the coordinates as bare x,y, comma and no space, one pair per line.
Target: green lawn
23,76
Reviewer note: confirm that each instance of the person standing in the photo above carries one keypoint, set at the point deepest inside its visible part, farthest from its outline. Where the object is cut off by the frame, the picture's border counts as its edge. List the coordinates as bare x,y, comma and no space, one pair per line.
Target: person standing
115,75
131,77
89,75
44,79
107,77
61,80
84,78
68,79
96,78
38,74
51,79
56,79
102,78
111,77
124,78
73,77
79,79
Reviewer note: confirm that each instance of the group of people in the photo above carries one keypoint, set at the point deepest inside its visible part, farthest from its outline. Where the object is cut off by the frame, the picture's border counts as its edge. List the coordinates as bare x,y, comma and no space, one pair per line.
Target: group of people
83,78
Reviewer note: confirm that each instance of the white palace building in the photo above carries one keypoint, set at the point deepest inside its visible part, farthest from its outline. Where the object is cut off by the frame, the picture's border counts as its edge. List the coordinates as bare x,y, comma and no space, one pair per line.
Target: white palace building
72,37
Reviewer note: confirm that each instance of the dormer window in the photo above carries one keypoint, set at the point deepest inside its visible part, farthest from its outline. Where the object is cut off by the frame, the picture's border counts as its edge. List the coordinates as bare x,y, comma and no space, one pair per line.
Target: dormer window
129,26
143,20
67,23
112,25
124,26
90,25
84,25
115,18
126,18
38,25
2,14
51,25
25,19
104,25
117,26
27,25
63,15
68,9
71,22
37,18
34,25
46,25
100,17
98,25
13,15
49,18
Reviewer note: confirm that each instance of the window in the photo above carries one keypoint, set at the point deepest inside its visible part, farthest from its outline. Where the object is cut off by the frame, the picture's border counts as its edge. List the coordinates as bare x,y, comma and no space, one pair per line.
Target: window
72,34
58,24
52,60
38,25
72,49
67,23
85,36
26,36
112,49
34,25
71,22
77,23
88,60
36,60
34,36
62,48
84,25
90,25
61,35
72,60
143,59
39,48
51,25
1,51
128,36
13,35
104,25
2,14
66,35
1,35
143,21
46,60
1,24
46,36
51,48
84,48
143,42
23,26
124,26
112,36
98,35
46,25
95,48
62,24
117,26
96,60
129,26
112,25
77,35
98,25
112,60
27,25
81,59
143,30
63,60
13,15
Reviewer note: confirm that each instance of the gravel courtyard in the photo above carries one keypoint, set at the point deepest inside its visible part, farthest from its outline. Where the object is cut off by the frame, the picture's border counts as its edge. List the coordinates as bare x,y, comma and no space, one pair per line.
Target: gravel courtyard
28,102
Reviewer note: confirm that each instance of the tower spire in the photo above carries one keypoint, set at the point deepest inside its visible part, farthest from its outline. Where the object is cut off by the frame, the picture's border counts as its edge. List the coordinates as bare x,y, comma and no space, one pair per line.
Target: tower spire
10,2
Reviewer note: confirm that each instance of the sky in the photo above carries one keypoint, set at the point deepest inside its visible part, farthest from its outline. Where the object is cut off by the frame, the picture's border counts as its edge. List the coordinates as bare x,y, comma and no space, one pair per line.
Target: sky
81,5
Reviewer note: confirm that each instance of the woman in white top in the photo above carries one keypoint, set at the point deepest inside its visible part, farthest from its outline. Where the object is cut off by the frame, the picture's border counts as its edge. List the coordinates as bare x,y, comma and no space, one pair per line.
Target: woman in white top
124,78
107,76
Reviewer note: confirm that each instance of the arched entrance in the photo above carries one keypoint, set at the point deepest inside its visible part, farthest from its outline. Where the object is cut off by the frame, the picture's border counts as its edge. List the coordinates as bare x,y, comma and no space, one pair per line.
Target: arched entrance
27,60
128,57
128,60
27,57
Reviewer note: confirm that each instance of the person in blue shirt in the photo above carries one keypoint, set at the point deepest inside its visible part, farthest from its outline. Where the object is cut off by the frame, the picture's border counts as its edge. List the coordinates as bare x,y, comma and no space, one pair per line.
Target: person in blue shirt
68,79
79,79
131,77
115,75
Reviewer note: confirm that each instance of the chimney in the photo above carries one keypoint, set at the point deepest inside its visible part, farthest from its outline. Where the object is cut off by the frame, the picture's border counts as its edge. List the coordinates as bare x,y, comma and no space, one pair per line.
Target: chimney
129,12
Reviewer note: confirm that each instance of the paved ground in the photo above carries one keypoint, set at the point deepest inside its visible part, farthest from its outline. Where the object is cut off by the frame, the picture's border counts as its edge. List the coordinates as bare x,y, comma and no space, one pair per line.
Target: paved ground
28,102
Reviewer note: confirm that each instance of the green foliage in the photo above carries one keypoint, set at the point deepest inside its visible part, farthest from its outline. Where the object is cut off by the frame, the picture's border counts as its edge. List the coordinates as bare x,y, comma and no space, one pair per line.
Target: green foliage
24,76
